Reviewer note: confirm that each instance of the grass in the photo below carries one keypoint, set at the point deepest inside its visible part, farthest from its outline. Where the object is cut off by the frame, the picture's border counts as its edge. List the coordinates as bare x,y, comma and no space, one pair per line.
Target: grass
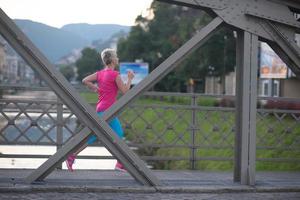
89,97
161,126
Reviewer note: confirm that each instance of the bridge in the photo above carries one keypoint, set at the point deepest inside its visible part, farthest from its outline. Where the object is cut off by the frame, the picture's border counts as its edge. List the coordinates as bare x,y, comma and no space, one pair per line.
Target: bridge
270,21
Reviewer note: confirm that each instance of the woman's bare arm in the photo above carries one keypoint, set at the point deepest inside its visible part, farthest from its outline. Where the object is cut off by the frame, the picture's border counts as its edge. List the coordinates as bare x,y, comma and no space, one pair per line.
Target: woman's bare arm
121,85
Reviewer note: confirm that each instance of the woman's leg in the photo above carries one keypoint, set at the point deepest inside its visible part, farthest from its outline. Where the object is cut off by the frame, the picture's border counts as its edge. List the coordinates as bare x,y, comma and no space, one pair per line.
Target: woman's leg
71,158
115,124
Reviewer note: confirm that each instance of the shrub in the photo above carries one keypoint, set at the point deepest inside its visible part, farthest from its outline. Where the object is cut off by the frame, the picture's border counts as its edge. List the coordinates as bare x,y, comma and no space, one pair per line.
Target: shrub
227,102
282,105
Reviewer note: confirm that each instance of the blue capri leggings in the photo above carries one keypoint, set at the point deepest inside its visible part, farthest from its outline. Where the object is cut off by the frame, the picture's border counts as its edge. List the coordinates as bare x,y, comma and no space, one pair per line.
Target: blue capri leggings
114,124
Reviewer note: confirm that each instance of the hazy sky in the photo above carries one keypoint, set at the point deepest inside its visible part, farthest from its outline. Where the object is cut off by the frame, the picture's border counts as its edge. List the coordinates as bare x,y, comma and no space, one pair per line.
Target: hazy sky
60,12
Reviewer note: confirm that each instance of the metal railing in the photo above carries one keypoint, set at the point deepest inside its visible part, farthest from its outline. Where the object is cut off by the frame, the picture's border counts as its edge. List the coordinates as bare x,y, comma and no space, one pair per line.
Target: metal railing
168,130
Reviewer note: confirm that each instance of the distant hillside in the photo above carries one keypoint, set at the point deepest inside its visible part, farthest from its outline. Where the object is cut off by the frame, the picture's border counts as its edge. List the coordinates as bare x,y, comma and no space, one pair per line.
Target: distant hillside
57,43
95,32
53,42
99,45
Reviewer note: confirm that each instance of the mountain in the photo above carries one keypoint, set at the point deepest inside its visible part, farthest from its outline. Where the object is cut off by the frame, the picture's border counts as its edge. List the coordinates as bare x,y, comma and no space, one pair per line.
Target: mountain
99,45
95,32
53,42
56,43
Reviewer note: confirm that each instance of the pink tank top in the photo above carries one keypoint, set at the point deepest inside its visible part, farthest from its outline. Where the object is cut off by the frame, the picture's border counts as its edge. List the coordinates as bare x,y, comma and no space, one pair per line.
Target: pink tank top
108,89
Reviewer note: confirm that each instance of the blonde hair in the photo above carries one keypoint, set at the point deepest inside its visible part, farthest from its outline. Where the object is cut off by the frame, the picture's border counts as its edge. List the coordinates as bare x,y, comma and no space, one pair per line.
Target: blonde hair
107,56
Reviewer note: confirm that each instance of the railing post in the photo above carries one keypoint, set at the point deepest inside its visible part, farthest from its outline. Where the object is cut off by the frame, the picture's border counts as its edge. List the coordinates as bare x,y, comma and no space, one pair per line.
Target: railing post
193,130
59,126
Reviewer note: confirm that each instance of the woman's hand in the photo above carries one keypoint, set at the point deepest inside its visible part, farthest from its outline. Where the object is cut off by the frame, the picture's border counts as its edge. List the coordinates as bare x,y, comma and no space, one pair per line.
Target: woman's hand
130,74
125,87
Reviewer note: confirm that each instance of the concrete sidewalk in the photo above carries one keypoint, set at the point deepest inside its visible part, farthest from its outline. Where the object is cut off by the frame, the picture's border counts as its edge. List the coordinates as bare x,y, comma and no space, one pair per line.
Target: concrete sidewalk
12,180
150,196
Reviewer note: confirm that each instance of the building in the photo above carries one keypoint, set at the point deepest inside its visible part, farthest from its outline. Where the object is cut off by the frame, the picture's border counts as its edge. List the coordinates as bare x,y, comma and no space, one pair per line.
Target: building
13,69
277,81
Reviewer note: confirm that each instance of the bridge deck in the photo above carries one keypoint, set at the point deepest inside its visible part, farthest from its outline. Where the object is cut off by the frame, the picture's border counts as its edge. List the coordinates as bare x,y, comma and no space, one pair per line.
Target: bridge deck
12,180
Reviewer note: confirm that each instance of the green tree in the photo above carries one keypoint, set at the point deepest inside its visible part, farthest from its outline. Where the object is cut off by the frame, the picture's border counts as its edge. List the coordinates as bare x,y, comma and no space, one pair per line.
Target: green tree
89,63
154,40
68,72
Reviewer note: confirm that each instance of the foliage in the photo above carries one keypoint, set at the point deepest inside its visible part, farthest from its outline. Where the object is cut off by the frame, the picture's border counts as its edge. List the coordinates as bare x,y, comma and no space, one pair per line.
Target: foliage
154,40
89,63
68,72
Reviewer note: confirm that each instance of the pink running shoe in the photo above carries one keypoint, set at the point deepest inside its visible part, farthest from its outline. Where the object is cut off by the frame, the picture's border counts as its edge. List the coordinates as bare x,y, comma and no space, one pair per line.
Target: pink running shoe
70,161
120,167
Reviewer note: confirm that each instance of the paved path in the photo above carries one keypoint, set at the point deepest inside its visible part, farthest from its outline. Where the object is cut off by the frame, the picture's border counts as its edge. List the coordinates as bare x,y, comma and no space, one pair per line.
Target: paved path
109,184
151,196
